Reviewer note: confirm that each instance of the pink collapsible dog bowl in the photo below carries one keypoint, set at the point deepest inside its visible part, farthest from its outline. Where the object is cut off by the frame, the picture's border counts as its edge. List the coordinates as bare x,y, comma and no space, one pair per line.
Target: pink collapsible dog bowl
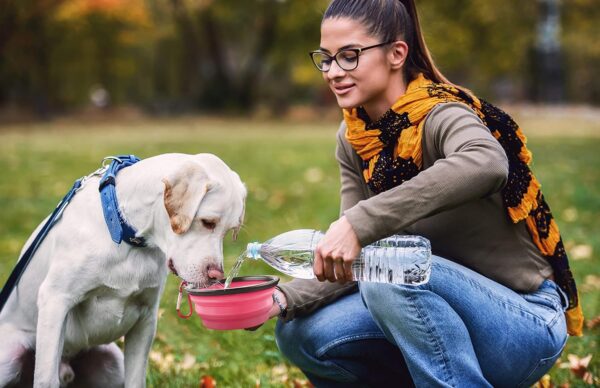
246,303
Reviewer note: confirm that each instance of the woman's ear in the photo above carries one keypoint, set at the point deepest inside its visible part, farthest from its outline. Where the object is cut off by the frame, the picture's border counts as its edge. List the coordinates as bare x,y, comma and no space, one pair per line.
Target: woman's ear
398,54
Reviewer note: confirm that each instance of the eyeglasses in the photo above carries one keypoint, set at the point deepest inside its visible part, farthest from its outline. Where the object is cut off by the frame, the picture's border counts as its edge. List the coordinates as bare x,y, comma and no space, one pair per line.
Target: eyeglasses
347,59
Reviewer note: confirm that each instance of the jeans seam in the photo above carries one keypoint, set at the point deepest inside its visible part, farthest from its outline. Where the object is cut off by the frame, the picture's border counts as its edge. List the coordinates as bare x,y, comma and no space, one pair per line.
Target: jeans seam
436,338
342,340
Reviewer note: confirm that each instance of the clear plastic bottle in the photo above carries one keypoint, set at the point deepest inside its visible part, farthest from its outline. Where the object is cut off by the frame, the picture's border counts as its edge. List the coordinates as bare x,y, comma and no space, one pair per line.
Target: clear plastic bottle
396,259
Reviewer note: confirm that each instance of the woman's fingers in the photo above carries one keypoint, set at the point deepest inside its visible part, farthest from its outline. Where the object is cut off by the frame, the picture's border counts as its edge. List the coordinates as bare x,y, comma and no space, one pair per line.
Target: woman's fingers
348,270
328,268
318,264
340,273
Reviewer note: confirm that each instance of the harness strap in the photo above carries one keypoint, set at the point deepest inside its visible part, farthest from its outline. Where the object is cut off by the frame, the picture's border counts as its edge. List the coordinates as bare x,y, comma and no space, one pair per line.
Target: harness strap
22,264
119,229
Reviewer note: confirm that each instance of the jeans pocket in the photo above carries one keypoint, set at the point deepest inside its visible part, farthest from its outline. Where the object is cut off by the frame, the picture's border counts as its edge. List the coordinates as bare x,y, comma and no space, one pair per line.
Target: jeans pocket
541,367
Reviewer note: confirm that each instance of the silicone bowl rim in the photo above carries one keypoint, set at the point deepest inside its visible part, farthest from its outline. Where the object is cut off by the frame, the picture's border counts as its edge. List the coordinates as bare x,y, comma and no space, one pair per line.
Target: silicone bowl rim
269,281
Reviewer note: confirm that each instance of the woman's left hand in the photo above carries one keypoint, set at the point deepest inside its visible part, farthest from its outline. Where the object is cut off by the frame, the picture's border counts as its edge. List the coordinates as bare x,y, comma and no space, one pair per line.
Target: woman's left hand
336,252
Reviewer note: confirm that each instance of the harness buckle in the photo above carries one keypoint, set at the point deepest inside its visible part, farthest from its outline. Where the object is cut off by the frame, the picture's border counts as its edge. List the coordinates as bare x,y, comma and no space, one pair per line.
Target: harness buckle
111,159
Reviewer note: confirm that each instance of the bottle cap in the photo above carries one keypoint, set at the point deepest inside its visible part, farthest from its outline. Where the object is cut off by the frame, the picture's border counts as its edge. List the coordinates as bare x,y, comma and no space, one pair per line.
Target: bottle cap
253,250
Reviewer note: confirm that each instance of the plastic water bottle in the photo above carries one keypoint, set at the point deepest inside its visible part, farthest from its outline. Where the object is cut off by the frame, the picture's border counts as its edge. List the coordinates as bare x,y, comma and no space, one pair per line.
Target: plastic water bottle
396,259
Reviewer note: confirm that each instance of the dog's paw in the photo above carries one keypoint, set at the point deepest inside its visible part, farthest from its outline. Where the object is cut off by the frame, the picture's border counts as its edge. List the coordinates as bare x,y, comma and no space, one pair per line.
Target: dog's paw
65,374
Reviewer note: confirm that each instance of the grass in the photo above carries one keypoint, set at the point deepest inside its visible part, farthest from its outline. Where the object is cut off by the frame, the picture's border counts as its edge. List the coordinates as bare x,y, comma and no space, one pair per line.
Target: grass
292,180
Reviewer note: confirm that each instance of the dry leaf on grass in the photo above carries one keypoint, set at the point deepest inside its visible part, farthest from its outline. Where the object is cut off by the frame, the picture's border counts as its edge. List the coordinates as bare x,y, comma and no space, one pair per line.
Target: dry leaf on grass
207,381
581,252
545,382
593,323
590,283
579,367
302,384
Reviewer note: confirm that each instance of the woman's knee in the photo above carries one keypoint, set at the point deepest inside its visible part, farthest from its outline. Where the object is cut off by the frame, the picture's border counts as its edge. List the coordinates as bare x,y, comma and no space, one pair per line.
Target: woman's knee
292,341
381,298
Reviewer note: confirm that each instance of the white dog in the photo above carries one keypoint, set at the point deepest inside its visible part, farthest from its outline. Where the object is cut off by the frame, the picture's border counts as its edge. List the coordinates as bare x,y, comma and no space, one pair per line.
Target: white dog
82,291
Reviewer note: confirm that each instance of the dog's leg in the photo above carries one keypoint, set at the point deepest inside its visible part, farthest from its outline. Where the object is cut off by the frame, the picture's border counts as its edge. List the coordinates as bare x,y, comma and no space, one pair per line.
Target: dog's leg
138,342
52,312
16,357
99,367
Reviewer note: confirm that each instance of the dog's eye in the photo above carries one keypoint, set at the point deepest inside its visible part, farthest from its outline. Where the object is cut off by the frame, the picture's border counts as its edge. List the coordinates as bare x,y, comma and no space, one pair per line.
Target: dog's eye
209,224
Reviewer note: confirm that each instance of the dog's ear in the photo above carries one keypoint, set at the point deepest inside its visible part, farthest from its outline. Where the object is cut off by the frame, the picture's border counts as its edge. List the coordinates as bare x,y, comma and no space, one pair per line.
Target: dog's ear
184,190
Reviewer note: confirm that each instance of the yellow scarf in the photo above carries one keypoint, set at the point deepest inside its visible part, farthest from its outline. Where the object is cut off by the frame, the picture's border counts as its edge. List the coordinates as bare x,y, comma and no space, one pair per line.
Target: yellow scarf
391,152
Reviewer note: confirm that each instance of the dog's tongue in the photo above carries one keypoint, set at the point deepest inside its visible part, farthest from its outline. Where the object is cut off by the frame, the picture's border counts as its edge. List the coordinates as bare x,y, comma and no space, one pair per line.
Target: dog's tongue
215,274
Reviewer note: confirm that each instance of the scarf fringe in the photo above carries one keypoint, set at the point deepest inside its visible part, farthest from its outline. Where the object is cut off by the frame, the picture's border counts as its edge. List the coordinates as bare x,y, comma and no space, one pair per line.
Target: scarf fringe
575,320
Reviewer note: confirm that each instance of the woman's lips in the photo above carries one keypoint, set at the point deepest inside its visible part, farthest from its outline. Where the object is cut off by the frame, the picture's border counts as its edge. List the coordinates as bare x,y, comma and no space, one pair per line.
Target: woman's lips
341,89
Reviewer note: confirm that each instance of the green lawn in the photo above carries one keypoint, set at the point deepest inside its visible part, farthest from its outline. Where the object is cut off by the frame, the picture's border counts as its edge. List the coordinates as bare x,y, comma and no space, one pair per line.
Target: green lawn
292,181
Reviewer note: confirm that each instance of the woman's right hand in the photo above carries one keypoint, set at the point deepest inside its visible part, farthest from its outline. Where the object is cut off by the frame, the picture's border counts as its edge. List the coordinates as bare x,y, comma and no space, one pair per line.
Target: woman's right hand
336,252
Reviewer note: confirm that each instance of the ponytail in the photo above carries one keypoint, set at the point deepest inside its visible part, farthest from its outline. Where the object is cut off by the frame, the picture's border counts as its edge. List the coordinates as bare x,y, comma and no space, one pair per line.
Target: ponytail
419,58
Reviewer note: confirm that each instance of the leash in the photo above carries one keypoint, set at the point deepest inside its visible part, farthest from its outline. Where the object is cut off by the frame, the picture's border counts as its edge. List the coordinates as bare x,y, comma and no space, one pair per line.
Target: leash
118,226
189,301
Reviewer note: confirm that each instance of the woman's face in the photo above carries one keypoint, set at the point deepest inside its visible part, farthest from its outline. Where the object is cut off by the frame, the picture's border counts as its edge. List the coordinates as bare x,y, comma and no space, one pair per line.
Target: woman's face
369,85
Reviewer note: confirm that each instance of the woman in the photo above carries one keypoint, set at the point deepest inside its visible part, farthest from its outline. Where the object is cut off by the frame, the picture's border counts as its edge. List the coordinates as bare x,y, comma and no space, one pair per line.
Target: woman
421,156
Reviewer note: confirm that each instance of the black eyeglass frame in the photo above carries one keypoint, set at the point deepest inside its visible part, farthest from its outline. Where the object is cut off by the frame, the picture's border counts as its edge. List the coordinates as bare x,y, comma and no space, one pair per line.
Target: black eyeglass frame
358,51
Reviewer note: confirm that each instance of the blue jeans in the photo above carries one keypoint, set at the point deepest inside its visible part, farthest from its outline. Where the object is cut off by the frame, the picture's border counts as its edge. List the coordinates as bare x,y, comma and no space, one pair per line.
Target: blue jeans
461,330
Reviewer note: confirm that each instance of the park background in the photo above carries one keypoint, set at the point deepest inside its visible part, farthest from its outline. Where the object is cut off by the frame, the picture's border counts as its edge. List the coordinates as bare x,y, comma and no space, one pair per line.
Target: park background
82,79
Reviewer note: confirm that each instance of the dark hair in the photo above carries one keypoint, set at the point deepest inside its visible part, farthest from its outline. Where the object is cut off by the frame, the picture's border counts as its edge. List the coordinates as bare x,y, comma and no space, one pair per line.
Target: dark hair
390,20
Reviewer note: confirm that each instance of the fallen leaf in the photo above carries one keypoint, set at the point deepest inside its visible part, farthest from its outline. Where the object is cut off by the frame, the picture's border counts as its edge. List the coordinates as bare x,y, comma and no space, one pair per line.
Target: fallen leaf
581,252
592,323
188,362
313,175
590,283
302,384
570,214
545,382
279,373
579,367
207,381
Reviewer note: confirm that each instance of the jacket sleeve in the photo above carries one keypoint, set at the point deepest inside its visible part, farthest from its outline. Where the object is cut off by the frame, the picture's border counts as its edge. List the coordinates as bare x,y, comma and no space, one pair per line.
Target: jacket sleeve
469,164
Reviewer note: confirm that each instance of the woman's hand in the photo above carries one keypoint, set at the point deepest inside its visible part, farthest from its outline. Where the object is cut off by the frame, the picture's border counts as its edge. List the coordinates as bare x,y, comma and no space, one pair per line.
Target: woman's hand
336,252
275,310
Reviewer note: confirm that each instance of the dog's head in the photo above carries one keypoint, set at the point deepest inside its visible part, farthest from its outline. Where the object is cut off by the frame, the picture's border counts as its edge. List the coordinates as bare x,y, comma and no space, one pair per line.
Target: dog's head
204,199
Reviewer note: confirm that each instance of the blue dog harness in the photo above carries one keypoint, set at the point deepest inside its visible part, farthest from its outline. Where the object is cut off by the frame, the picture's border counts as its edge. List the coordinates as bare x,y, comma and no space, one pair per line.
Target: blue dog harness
119,229
117,226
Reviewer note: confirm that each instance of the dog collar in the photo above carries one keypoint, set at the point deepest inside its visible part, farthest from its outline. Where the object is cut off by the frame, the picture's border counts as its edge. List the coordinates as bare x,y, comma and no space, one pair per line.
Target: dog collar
118,227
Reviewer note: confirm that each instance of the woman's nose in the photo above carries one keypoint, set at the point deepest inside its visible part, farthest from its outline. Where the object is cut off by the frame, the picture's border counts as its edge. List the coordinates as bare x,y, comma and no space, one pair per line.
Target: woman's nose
335,71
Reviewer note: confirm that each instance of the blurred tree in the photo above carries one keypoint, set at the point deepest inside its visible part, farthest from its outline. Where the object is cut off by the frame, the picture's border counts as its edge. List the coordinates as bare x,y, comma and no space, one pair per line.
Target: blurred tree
171,56
229,45
581,42
26,32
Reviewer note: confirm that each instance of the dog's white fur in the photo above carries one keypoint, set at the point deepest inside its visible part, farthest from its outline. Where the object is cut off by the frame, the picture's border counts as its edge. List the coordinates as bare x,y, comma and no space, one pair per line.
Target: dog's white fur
82,291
